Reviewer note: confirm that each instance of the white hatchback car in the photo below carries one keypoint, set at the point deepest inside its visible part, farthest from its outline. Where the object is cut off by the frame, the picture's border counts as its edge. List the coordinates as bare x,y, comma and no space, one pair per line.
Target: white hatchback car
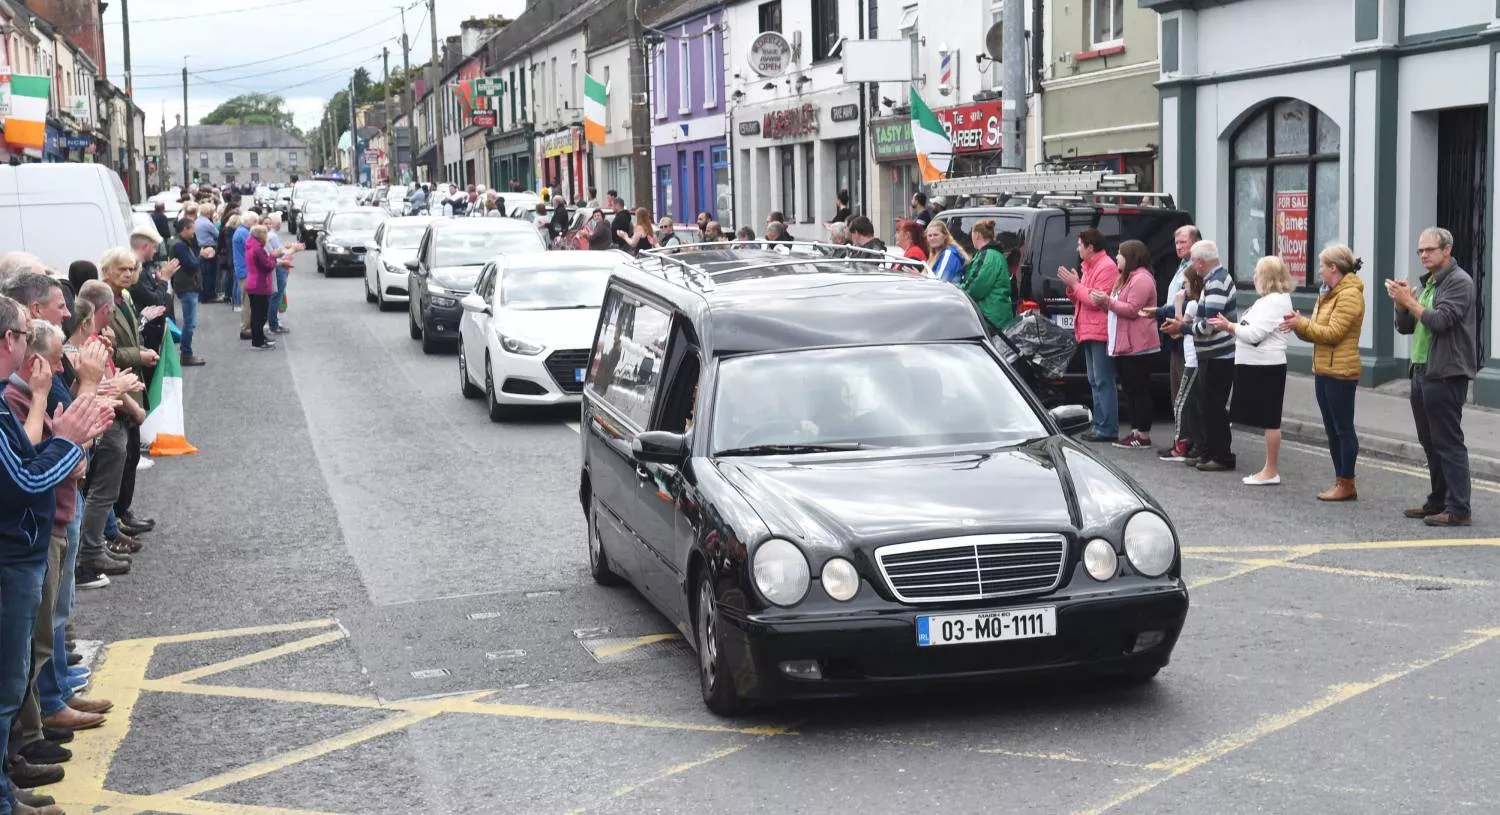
396,242
527,328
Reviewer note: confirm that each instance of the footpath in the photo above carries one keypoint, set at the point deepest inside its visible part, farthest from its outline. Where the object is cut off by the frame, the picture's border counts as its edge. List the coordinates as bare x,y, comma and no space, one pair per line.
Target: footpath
1383,419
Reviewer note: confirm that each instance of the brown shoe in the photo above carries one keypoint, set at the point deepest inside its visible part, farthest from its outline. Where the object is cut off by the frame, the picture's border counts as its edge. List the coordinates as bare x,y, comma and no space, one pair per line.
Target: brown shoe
1447,519
193,361
22,809
73,719
131,545
83,705
1424,511
1342,490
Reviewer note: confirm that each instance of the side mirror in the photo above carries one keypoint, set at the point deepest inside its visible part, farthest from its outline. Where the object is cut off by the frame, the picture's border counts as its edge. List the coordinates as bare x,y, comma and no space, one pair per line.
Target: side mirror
1072,419
413,266
660,447
475,303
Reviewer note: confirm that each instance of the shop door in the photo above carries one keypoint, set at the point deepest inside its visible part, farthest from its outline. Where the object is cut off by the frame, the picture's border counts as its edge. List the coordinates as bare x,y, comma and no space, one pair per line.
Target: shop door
1461,200
903,184
703,185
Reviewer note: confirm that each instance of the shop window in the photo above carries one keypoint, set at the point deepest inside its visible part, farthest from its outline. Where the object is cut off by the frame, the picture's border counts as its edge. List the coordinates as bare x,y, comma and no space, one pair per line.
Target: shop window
770,16
847,170
788,183
1284,198
825,28
1108,21
808,180
723,192
664,188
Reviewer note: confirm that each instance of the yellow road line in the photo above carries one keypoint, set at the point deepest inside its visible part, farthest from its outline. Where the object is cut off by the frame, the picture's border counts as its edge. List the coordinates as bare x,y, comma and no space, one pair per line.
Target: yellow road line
1314,567
255,658
118,680
200,636
1363,546
1220,747
625,647
126,804
272,695
558,714
664,774
1290,554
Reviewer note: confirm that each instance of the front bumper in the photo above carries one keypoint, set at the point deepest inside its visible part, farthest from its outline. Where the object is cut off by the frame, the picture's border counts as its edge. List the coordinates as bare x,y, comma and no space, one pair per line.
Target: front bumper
543,379
442,321
872,650
392,285
344,261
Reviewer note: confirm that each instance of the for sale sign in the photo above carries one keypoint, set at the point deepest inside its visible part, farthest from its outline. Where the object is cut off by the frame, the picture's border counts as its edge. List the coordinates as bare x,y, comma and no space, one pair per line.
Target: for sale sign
1291,232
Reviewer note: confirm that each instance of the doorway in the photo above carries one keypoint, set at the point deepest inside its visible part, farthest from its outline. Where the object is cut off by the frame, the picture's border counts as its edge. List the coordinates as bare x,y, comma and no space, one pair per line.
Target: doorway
1462,165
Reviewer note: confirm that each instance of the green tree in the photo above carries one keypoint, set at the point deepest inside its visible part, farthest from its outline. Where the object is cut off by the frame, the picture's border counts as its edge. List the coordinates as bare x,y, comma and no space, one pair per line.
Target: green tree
251,109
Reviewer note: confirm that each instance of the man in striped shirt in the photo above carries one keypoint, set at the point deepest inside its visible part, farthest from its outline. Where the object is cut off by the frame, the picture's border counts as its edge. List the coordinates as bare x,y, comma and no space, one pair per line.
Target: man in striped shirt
1215,351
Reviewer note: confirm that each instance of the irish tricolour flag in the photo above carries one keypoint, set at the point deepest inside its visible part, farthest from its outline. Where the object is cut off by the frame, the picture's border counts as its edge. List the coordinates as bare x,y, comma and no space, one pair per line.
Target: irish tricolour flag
164,428
595,102
23,109
934,148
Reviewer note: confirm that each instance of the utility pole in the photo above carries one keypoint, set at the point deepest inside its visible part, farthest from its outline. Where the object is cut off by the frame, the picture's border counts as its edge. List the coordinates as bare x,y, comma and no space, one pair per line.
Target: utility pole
385,94
185,120
161,158
1013,45
130,175
353,137
640,115
442,105
411,105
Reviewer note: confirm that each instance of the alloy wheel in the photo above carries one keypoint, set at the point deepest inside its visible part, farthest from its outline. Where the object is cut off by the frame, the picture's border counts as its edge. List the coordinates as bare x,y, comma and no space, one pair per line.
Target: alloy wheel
708,632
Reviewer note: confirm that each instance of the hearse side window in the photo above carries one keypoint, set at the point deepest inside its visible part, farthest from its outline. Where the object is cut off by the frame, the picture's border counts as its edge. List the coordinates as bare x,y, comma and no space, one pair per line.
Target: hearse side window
627,358
960,226
683,368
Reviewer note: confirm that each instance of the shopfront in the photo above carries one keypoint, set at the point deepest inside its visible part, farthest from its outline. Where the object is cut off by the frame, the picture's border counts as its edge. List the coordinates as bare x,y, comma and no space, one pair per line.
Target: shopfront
510,160
561,155
975,132
793,156
692,170
56,146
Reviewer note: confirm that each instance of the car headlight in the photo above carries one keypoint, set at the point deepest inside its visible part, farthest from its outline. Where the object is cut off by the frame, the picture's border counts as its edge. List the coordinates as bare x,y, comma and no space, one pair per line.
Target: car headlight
395,268
335,249
1100,560
781,572
1149,544
840,579
516,345
445,302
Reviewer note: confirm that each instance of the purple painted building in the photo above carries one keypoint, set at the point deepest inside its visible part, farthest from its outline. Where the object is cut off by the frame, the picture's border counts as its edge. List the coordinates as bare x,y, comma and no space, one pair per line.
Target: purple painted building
691,155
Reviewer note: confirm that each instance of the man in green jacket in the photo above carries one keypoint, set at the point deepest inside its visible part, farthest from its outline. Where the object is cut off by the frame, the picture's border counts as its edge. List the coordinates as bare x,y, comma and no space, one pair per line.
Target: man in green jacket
987,279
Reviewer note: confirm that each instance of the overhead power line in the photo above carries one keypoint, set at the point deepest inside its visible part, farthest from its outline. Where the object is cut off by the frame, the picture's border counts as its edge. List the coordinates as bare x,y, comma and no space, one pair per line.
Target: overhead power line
254,75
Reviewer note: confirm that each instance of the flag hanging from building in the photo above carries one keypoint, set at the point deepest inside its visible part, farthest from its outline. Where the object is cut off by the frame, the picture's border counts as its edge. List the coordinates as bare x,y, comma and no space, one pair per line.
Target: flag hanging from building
165,429
23,108
595,107
934,148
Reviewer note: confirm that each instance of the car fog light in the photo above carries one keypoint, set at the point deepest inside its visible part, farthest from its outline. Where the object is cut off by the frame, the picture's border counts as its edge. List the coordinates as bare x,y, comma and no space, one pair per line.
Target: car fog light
1148,639
802,669
1100,560
840,579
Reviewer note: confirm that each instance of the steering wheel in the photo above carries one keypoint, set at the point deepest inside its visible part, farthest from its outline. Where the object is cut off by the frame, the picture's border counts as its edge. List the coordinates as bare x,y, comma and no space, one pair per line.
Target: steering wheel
769,429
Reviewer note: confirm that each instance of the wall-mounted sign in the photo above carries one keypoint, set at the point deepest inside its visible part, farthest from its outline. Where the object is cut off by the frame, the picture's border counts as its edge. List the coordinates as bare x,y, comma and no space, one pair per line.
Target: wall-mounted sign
78,107
485,118
750,127
973,127
1291,232
843,113
560,143
891,139
770,54
789,124
77,142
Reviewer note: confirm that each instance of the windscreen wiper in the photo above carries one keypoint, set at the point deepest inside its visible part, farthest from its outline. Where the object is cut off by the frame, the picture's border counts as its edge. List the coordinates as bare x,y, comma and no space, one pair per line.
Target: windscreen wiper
793,449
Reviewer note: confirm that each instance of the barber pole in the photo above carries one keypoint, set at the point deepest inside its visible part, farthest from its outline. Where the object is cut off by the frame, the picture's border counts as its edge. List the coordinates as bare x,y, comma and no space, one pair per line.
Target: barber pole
946,71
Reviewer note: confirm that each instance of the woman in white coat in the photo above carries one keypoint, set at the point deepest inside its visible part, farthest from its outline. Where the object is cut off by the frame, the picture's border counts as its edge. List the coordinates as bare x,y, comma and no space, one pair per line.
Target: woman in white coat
1260,362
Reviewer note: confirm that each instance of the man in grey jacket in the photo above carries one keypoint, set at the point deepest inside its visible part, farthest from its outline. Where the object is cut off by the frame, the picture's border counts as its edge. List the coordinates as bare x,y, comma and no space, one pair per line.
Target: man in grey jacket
1441,318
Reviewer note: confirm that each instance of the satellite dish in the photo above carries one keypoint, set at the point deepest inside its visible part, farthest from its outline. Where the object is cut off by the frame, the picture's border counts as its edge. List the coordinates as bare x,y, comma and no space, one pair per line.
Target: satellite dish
993,42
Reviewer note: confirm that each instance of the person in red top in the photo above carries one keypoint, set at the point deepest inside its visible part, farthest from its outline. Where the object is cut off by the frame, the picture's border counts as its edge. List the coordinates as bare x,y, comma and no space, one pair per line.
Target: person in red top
1091,327
260,284
912,239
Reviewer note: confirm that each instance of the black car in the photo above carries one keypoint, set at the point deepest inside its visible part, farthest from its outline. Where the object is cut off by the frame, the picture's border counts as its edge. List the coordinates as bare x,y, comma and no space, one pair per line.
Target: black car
346,234
826,477
452,253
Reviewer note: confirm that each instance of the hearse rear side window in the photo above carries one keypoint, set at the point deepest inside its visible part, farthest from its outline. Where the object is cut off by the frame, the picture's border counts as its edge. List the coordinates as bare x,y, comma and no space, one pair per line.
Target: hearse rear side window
627,358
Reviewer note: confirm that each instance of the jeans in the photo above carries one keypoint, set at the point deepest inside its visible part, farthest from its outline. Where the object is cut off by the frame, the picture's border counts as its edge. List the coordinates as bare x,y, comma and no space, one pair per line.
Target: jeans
43,638
53,685
189,302
1135,380
1336,402
258,305
105,469
1102,382
278,297
1218,384
238,293
1437,405
20,597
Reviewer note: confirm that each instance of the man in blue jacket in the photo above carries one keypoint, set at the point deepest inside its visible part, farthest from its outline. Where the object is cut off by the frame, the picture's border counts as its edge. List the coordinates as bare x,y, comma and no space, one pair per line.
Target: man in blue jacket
28,475
248,221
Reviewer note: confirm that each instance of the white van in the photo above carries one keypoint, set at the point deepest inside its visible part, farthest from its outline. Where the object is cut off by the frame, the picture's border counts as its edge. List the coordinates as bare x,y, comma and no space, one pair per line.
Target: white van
62,212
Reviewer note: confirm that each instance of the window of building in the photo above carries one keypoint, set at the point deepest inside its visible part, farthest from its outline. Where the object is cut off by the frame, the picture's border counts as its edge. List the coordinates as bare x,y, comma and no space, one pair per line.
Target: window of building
553,97
573,81
1108,21
659,87
684,75
254,159
872,20
292,158
510,90
228,159
203,160
255,178
723,193
909,32
997,70
521,72
808,183
789,183
539,76
825,28
663,188
710,68
608,103
770,16
846,169
1284,196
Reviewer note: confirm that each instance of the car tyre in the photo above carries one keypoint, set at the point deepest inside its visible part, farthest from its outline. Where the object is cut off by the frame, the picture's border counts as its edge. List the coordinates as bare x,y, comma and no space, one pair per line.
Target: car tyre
464,385
719,692
369,295
411,325
598,560
498,412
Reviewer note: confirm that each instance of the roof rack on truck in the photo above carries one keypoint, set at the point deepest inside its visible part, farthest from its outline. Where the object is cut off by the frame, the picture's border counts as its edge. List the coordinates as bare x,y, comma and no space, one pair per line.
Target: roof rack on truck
1087,188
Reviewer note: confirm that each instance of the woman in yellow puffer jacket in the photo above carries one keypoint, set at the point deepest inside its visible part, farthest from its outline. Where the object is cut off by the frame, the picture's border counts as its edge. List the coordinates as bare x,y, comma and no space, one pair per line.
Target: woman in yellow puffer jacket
1334,329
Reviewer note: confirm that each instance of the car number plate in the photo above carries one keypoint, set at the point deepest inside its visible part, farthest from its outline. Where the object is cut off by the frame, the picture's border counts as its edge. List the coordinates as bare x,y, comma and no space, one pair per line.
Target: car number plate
1063,320
578,374
987,626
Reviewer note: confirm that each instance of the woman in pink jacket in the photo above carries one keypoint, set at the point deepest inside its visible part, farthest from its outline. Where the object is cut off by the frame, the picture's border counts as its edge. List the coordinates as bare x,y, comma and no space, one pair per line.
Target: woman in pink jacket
1133,339
260,284
1091,327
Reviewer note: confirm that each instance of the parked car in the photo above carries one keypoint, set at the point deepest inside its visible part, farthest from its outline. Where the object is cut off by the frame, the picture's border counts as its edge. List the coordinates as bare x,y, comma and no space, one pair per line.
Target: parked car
62,212
1047,237
829,499
347,233
396,242
452,253
527,327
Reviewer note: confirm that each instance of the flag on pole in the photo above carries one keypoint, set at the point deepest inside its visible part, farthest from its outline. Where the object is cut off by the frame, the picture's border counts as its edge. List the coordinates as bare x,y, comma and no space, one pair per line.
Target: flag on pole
934,148
164,428
595,101
23,107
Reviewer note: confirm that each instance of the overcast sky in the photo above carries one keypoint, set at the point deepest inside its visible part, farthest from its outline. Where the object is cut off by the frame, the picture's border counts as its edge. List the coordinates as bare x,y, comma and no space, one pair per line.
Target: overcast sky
304,49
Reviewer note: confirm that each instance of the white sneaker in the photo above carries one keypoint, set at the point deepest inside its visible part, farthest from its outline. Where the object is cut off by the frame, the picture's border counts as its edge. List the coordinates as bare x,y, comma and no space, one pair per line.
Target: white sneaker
145,464
1252,481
